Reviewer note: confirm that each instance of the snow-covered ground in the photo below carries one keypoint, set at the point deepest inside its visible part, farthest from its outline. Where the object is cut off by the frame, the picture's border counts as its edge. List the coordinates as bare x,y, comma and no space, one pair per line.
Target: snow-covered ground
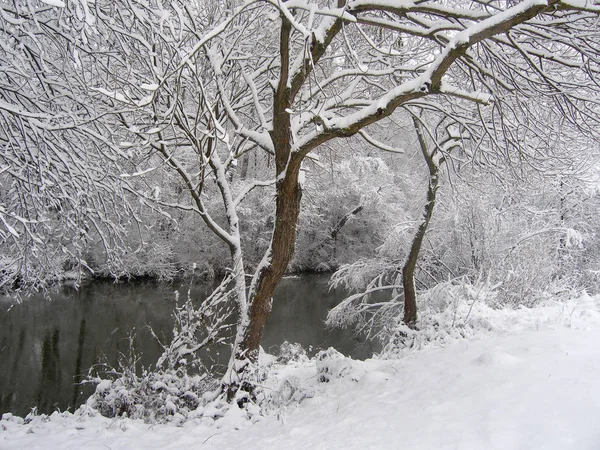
530,383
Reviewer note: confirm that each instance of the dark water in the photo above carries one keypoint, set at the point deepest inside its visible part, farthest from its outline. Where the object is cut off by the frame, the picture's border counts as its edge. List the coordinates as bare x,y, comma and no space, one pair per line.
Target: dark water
48,346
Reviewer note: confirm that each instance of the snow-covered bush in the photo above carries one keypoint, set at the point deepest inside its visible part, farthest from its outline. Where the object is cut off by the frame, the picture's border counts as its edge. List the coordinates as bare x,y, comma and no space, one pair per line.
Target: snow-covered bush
291,352
280,379
459,309
450,311
157,395
377,300
292,377
156,261
332,364
179,383
292,380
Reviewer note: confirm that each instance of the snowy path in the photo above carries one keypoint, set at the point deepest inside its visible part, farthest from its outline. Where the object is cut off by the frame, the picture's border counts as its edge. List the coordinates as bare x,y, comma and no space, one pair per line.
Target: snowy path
529,390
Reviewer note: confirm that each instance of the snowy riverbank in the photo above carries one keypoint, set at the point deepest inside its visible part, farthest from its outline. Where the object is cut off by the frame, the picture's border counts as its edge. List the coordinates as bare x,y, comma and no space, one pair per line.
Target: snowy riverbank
532,383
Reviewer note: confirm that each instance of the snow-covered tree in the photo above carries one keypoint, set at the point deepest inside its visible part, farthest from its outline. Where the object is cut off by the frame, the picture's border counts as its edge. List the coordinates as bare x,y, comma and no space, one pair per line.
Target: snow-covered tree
287,77
290,76
60,192
196,86
393,269
525,234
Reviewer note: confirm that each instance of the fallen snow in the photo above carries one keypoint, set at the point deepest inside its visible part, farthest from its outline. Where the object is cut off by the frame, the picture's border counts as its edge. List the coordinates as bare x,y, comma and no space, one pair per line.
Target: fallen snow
532,383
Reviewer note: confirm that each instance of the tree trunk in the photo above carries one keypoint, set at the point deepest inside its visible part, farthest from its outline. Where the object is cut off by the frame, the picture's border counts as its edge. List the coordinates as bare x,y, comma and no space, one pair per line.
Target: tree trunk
288,196
408,271
269,274
340,224
275,262
281,249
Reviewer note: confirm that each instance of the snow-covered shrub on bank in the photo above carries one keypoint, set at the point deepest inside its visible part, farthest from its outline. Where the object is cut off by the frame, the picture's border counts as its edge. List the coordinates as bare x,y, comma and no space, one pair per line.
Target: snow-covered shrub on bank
446,308
281,380
180,383
155,260
455,309
458,310
291,352
449,311
331,364
154,396
292,377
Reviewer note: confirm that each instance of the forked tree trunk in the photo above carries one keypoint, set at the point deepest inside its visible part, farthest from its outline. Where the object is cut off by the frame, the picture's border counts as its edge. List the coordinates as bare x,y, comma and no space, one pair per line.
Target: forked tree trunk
269,274
408,271
281,249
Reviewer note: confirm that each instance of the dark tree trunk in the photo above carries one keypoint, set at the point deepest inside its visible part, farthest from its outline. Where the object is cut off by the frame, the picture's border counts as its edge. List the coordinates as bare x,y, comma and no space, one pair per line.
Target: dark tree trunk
281,249
408,271
244,163
289,194
287,209
340,224
288,197
270,272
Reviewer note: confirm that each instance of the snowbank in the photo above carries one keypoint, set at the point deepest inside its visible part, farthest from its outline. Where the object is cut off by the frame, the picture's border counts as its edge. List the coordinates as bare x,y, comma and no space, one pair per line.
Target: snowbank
530,384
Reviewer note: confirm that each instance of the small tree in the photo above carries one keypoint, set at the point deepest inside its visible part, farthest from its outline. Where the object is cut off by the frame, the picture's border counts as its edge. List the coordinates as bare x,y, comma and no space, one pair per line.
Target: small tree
434,155
435,144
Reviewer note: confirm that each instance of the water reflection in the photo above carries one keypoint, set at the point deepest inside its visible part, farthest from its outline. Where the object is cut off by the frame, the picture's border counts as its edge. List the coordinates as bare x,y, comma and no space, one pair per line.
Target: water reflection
48,346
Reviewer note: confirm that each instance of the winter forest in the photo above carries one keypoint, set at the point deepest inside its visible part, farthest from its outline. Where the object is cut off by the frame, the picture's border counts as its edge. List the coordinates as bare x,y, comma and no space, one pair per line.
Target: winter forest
435,162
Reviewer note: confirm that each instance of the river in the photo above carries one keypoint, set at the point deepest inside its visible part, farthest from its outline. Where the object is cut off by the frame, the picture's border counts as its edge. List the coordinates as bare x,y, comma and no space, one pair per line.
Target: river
47,345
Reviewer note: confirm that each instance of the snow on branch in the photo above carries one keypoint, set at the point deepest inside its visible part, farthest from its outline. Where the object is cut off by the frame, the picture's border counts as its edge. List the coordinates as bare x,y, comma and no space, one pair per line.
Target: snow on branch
289,17
429,81
315,10
352,309
572,236
262,139
581,5
477,97
405,6
378,144
247,189
213,33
